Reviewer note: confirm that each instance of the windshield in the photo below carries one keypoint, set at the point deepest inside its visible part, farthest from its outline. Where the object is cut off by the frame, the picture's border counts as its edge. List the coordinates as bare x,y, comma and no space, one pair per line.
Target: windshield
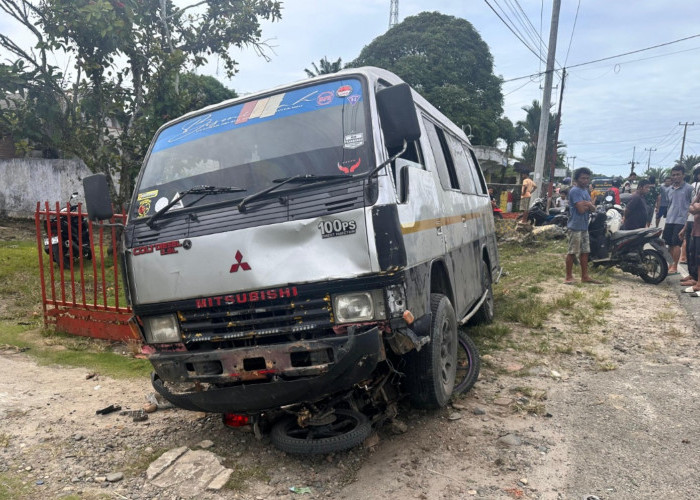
320,129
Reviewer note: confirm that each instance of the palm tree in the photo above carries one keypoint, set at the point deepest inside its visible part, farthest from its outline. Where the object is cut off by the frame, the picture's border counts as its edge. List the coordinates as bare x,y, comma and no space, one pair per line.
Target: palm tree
688,162
658,172
531,124
326,67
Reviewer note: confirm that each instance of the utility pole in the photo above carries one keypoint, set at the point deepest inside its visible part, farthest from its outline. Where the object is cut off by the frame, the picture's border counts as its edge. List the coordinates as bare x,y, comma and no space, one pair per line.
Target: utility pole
546,98
572,164
633,163
649,160
556,140
685,129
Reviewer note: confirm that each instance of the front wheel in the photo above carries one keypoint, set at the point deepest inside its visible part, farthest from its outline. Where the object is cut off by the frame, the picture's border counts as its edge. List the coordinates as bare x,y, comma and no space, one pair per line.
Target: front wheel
348,429
654,267
430,372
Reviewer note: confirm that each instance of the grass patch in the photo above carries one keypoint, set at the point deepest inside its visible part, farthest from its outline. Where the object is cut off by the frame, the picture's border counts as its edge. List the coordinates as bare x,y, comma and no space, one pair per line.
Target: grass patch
12,487
139,463
241,475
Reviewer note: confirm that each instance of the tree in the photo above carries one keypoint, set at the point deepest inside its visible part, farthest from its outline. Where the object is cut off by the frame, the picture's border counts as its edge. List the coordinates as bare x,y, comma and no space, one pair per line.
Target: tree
531,126
658,172
688,162
326,67
445,60
128,56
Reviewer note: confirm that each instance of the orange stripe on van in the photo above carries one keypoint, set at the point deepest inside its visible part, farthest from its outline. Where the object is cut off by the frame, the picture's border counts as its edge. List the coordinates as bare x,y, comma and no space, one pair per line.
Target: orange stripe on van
422,225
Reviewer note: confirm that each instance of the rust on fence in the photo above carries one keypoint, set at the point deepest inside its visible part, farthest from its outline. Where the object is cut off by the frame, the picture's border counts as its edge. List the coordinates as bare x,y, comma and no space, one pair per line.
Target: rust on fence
77,296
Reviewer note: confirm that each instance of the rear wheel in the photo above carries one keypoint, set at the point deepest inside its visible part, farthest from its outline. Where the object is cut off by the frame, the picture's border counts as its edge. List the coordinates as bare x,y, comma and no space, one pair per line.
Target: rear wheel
654,267
348,429
430,372
468,364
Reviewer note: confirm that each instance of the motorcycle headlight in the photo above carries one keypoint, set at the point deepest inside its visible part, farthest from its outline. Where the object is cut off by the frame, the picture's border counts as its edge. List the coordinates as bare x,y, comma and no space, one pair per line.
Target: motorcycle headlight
161,329
359,306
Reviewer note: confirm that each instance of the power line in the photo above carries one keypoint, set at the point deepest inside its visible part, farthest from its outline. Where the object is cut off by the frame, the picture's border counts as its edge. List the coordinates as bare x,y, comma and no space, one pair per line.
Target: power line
536,37
610,57
572,33
512,31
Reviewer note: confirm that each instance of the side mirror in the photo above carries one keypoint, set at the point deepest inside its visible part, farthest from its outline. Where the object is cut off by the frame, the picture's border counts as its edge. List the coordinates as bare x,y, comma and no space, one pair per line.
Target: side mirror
99,204
398,115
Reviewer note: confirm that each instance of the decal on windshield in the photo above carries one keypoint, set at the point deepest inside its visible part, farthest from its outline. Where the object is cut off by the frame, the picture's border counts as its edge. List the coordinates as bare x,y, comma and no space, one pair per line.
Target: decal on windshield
353,141
351,167
161,203
337,227
144,208
147,194
303,100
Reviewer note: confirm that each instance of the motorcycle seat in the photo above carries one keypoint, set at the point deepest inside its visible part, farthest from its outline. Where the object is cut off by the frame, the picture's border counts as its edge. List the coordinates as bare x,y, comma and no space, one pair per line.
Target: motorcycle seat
625,233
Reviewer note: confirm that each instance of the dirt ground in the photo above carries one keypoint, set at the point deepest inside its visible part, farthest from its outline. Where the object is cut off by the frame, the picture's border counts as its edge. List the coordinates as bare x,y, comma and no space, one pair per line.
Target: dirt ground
608,412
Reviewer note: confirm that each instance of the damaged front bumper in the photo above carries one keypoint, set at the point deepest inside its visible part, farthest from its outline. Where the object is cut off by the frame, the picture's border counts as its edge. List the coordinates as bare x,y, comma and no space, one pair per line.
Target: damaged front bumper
273,380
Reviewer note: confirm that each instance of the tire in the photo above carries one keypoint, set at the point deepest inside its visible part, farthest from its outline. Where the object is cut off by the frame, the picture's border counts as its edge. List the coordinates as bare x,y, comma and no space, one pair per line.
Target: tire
56,256
350,429
485,313
430,372
468,364
654,267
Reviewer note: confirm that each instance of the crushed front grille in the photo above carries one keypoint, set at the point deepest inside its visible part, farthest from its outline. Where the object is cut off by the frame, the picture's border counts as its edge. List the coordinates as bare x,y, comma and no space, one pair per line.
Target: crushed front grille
255,319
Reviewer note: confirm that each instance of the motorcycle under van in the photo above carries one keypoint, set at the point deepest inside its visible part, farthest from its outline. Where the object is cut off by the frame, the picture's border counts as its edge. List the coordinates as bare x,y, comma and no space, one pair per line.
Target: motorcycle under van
303,256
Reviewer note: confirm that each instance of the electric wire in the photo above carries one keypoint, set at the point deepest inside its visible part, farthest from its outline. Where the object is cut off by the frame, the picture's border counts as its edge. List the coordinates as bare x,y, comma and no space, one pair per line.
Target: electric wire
527,24
610,57
512,31
572,33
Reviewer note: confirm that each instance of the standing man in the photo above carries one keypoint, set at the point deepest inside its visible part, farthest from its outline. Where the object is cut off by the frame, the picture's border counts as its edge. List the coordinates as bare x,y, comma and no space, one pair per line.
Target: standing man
580,207
662,201
679,196
651,197
527,189
636,210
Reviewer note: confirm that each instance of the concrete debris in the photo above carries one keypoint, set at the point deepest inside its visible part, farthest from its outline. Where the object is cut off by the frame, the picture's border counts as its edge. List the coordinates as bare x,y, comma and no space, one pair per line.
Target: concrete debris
191,471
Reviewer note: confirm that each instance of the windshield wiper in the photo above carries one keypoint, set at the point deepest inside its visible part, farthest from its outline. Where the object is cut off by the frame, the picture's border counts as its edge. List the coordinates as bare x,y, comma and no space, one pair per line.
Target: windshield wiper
202,190
296,179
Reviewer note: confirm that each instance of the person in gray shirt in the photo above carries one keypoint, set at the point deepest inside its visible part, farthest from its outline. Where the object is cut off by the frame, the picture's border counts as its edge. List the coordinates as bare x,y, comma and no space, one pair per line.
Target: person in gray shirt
662,200
679,197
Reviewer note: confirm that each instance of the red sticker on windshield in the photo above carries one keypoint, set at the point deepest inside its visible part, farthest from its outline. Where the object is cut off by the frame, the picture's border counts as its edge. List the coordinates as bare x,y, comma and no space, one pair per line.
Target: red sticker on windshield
344,91
324,98
350,169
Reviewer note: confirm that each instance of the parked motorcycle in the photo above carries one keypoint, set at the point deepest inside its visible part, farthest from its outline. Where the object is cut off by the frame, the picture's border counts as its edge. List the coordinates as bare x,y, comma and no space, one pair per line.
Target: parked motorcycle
60,240
640,251
538,216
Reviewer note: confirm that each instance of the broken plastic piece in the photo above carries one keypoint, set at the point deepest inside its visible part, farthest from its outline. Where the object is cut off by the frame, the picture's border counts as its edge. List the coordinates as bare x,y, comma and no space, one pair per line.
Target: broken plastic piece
300,490
108,409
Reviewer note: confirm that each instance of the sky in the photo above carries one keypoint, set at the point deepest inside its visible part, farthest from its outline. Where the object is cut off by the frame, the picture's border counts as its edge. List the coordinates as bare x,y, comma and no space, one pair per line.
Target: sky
614,112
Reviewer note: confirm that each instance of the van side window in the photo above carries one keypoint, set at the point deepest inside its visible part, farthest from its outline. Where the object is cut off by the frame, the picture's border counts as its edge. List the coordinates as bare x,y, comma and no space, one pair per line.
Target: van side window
478,174
462,166
441,153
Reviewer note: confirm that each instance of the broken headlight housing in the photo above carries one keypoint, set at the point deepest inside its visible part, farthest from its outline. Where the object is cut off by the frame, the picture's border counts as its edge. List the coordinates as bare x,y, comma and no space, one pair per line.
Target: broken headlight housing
359,306
161,329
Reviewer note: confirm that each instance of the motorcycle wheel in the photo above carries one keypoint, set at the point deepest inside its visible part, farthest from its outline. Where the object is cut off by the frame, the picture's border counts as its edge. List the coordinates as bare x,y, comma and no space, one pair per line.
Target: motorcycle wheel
468,364
349,429
56,256
654,267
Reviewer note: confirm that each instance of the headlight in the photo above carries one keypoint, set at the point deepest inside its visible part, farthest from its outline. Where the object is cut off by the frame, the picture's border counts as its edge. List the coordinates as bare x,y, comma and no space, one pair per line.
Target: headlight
359,306
161,329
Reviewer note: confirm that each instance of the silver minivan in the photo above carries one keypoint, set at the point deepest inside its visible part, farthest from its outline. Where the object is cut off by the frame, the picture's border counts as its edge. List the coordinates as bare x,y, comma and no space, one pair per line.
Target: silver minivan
304,256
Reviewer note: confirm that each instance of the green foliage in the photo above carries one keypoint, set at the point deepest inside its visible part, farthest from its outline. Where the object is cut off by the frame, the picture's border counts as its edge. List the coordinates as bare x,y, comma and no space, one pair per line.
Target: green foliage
131,61
325,67
688,162
531,127
445,60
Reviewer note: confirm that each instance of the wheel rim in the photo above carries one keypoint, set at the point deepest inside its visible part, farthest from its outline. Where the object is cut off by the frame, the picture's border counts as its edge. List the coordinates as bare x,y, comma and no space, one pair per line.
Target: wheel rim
652,266
343,424
447,365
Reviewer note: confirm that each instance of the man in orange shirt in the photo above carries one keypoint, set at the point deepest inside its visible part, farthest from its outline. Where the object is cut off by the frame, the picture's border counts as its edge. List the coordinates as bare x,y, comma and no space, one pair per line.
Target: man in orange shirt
528,188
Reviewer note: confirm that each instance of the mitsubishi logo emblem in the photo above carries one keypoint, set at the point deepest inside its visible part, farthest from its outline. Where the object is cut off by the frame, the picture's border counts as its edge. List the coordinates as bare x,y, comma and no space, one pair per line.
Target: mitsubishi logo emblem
239,263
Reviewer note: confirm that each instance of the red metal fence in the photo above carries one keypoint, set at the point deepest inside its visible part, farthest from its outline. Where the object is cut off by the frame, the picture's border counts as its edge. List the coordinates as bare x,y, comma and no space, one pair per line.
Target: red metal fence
81,289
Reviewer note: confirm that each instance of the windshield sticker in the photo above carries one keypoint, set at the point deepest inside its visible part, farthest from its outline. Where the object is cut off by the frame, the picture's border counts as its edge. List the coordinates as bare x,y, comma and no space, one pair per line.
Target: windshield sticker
344,91
351,166
147,194
325,98
337,227
302,100
353,141
161,203
144,208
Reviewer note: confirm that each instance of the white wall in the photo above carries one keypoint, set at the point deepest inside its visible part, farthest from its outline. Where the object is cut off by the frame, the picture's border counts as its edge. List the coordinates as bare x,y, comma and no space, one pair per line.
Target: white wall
24,181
